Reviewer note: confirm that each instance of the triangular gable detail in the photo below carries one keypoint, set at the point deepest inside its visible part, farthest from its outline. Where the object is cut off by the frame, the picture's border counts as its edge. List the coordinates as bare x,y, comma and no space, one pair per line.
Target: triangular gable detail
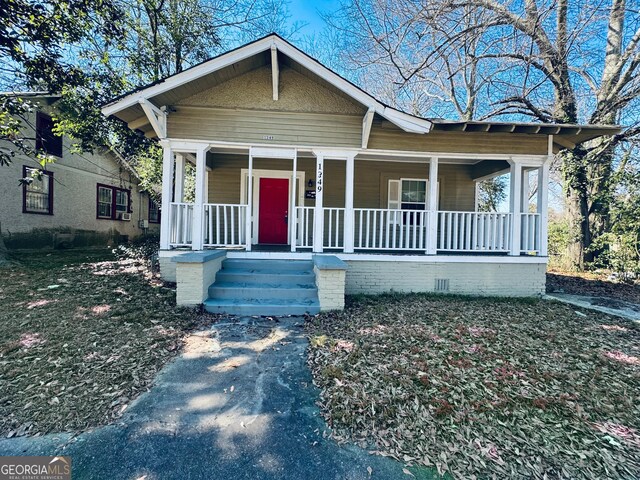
406,122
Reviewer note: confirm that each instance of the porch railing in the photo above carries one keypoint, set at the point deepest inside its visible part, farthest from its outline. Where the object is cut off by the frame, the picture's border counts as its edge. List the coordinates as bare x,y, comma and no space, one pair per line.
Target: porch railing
304,234
224,225
390,229
333,228
530,232
181,226
474,231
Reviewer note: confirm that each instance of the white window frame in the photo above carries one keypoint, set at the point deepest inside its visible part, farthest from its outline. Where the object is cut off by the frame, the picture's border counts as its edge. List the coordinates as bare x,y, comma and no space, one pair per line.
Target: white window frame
399,201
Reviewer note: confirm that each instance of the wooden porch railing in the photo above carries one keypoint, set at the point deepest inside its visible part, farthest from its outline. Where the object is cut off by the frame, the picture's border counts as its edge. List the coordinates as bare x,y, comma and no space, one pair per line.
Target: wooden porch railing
390,229
181,226
530,232
474,231
224,225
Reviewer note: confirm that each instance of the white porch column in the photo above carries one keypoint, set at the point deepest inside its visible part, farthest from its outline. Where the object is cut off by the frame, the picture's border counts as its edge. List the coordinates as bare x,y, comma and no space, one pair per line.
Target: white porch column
515,197
543,206
318,214
524,202
293,218
167,188
249,214
198,207
178,189
432,213
348,204
206,185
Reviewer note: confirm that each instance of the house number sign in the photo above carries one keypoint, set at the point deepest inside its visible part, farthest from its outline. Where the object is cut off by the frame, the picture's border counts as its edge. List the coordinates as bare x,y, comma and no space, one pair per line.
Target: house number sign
319,178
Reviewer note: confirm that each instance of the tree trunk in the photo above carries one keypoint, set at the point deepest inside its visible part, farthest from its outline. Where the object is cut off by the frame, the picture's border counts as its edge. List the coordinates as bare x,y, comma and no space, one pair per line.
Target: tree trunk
575,179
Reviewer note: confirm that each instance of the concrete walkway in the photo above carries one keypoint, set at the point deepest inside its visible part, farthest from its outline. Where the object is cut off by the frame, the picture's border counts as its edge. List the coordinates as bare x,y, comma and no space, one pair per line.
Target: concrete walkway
611,306
238,404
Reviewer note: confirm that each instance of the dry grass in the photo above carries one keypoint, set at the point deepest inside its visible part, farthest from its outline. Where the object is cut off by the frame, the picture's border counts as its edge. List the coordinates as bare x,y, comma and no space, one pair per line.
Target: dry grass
480,387
81,336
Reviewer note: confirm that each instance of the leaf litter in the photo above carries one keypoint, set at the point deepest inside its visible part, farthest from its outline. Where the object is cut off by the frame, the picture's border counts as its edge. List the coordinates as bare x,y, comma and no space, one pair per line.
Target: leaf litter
73,357
482,388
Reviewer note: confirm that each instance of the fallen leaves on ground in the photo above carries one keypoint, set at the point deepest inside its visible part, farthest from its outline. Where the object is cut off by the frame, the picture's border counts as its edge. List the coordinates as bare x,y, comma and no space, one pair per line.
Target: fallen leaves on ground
595,284
74,356
482,388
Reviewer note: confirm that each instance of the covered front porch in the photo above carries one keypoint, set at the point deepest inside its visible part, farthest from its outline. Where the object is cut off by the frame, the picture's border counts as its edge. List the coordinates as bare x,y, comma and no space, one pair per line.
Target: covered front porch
350,201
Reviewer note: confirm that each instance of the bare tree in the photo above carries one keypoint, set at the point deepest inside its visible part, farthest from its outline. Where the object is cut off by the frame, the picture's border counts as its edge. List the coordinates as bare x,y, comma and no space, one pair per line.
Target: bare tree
565,61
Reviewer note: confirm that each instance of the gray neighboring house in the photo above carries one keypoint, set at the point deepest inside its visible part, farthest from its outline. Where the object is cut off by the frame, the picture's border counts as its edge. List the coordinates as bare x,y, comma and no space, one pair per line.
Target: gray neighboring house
82,199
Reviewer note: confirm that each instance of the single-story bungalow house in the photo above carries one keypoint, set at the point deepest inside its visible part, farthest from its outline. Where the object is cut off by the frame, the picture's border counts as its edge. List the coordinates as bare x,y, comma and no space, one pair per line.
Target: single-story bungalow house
81,199
308,188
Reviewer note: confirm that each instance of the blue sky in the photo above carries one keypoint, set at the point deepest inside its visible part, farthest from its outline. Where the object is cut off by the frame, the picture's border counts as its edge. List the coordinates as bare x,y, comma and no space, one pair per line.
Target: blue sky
308,11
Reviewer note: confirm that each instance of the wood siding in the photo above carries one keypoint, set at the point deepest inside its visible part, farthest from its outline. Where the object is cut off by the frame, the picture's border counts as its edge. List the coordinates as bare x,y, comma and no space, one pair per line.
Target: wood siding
258,126
457,189
386,136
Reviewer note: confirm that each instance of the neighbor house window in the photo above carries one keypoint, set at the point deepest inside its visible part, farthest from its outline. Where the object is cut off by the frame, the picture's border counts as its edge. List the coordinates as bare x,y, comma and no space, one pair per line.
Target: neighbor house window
37,195
113,202
46,141
154,212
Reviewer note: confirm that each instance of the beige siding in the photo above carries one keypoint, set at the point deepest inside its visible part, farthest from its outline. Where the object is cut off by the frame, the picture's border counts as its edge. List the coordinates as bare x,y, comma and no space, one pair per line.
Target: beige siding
386,136
457,191
253,90
260,126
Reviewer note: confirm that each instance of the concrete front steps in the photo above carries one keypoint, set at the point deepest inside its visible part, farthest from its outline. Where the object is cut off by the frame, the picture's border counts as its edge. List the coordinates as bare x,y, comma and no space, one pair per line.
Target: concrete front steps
264,287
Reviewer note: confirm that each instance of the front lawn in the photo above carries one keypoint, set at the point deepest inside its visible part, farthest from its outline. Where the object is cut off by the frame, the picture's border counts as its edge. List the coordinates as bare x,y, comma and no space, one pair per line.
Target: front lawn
81,335
503,388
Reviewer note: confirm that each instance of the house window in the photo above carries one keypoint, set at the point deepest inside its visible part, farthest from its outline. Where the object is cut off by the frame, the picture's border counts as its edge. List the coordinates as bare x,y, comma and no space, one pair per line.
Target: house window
37,195
407,194
113,202
413,195
154,212
46,140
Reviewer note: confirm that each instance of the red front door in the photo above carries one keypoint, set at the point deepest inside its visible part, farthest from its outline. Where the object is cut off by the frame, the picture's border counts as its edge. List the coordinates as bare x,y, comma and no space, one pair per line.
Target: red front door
274,208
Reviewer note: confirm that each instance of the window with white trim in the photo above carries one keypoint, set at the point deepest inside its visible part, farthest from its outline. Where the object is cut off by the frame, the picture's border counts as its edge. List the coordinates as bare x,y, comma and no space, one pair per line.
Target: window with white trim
408,194
112,202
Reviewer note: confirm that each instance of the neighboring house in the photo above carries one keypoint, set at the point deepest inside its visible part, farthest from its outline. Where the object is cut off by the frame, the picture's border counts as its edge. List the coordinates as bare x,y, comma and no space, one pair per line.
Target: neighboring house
81,198
339,178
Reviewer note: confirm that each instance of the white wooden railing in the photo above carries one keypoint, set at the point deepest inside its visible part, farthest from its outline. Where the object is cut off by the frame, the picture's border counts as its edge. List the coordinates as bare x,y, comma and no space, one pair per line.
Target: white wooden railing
224,225
390,229
530,232
333,228
474,231
181,226
304,234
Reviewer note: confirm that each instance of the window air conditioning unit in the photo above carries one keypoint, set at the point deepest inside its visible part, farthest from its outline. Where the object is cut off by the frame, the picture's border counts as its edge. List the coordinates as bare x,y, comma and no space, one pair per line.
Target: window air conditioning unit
143,223
125,216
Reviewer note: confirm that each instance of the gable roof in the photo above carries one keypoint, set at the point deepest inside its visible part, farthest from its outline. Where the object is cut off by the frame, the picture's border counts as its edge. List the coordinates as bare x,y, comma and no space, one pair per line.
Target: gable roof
172,89
243,59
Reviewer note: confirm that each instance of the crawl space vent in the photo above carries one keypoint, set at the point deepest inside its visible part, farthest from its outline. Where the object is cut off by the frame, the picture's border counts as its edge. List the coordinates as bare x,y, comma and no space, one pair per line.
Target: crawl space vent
442,284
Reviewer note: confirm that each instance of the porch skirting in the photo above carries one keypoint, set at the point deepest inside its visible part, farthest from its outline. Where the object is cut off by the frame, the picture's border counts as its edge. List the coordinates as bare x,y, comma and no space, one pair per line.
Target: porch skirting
503,276
483,279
